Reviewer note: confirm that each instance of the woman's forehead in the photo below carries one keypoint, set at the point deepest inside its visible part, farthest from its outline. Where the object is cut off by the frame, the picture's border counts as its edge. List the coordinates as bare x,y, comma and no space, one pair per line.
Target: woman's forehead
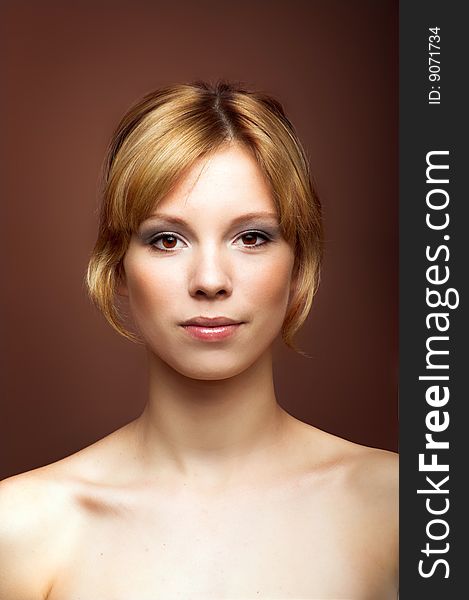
228,181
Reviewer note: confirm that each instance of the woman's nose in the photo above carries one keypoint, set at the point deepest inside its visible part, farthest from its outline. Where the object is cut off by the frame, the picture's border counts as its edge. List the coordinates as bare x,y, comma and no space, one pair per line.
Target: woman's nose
209,275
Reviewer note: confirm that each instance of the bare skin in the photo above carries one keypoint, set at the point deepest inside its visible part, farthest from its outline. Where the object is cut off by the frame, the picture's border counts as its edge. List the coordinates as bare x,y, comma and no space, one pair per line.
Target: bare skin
214,492
296,513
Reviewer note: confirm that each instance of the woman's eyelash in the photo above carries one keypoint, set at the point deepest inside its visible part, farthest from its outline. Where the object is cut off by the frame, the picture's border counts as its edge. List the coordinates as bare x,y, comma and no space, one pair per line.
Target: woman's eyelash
172,240
254,233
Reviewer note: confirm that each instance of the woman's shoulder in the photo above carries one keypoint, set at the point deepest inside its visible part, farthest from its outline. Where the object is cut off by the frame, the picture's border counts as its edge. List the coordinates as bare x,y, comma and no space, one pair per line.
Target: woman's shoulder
364,483
362,479
33,515
372,482
362,486
366,473
371,472
359,465
39,516
41,492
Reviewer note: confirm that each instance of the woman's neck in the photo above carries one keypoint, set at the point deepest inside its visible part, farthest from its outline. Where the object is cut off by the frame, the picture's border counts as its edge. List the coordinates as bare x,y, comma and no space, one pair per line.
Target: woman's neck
210,430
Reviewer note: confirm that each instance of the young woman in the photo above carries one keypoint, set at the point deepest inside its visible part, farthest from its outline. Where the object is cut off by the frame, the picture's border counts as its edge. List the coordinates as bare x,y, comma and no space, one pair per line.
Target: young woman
210,239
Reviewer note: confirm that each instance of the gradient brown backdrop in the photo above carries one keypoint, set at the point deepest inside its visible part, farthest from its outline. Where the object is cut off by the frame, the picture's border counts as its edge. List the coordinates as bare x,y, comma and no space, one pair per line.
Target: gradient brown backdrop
71,70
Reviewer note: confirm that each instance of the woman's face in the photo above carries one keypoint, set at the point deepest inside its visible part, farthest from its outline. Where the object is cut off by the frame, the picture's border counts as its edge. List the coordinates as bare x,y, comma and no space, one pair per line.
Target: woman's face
211,249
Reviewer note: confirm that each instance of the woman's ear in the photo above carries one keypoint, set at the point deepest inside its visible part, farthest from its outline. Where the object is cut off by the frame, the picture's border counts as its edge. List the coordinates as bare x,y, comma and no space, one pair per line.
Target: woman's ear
122,289
293,284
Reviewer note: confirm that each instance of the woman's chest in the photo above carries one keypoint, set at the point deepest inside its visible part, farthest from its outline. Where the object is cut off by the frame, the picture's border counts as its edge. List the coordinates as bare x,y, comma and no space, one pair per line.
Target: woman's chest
282,548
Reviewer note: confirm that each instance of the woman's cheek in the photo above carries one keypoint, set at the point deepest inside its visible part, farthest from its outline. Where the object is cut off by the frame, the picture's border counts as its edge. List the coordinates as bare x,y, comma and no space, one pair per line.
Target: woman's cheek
271,282
154,286
141,297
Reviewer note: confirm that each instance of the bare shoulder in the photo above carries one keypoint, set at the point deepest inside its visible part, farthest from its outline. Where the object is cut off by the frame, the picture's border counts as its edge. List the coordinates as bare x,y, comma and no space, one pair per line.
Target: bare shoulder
361,485
376,484
40,517
369,476
375,472
370,472
32,508
372,483
368,480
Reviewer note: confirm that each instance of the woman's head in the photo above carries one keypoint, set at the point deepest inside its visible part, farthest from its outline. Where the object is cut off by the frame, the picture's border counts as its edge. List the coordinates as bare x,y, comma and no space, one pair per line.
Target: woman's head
179,131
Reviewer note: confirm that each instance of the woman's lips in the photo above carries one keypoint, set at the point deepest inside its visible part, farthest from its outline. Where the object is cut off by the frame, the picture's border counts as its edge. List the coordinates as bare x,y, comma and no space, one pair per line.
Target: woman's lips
211,333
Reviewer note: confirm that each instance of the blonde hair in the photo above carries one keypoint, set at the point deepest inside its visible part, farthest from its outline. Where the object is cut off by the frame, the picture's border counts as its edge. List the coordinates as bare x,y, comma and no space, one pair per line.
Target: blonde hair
162,136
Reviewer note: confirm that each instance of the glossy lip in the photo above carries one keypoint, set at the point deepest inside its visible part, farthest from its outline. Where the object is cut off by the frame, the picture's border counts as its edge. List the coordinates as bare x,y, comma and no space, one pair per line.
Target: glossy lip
211,329
210,321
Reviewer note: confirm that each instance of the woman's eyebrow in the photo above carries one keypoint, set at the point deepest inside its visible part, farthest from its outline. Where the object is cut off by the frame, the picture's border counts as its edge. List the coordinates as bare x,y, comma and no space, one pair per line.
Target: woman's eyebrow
252,216
244,218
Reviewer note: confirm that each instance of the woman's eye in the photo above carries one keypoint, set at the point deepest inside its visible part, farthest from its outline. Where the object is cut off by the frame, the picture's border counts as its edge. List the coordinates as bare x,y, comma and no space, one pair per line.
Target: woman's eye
166,241
252,239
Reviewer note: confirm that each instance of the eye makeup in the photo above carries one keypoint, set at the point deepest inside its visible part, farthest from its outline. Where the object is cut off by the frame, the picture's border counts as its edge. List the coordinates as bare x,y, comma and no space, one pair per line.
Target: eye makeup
163,237
264,226
255,233
254,220
261,238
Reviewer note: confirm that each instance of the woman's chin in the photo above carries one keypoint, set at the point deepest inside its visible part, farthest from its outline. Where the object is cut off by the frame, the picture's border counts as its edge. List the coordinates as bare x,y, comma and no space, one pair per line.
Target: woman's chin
210,368
211,372
209,363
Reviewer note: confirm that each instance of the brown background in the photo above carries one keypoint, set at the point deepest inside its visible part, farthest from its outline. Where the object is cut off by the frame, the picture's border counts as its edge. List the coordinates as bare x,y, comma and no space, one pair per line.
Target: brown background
71,70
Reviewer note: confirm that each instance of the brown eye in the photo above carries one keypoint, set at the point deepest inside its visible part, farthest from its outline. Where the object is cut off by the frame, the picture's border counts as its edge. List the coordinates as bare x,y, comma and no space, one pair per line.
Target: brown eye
252,239
249,239
166,242
169,241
